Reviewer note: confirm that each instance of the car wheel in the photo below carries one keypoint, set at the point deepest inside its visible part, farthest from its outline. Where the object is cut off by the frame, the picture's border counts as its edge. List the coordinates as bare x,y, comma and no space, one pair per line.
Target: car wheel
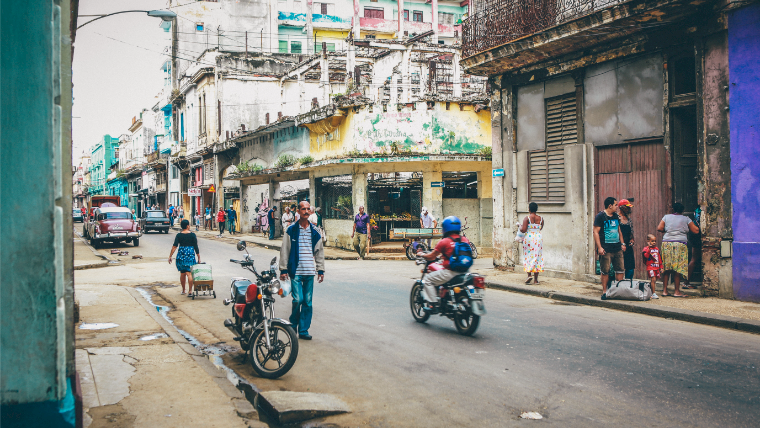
136,242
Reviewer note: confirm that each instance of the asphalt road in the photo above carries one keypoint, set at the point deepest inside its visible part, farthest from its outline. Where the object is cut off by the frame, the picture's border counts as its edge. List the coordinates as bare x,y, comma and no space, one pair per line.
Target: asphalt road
576,365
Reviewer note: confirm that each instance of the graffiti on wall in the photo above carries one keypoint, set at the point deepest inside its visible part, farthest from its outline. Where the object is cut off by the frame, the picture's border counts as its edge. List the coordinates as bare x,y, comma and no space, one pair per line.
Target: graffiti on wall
426,131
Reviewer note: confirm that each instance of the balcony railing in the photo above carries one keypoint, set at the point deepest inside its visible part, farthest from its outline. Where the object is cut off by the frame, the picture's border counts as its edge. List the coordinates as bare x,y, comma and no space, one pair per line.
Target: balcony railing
498,22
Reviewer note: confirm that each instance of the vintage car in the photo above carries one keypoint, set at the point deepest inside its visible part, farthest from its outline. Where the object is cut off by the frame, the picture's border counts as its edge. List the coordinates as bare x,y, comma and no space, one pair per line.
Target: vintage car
113,224
77,215
154,220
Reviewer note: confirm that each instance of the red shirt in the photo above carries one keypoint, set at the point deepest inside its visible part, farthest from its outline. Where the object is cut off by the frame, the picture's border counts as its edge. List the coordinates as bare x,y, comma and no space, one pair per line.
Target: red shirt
652,258
446,247
220,216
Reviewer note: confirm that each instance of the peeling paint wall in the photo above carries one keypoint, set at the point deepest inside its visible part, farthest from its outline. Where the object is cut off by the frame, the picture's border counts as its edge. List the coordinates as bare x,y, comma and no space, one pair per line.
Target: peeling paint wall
421,130
744,64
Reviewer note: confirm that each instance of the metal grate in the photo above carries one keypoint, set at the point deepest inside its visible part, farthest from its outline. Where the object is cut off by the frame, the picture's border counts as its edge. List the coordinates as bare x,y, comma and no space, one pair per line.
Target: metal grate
335,196
547,167
497,22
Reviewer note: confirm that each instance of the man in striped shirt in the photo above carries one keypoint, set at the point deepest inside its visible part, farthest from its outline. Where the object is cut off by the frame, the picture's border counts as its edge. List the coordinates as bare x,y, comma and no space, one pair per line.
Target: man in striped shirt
302,256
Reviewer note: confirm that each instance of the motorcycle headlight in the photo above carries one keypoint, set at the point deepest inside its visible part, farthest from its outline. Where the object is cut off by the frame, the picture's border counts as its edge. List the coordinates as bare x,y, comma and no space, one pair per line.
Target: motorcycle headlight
274,287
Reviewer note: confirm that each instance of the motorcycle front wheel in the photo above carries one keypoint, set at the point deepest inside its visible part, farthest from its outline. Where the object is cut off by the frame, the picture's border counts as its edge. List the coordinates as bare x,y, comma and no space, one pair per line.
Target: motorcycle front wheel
417,303
465,321
275,362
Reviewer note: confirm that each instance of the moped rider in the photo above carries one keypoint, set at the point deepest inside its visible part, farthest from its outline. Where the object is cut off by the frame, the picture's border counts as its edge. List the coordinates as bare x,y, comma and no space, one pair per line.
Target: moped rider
451,228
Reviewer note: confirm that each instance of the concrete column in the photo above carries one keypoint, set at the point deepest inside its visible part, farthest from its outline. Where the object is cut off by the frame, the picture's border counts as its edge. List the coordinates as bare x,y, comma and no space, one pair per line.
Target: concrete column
359,191
324,79
302,106
394,90
503,188
432,197
357,22
312,189
457,71
400,34
309,28
434,4
406,79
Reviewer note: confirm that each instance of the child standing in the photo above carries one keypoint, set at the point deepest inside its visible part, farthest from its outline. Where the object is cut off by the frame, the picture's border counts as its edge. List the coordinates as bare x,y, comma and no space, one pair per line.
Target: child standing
653,262
197,221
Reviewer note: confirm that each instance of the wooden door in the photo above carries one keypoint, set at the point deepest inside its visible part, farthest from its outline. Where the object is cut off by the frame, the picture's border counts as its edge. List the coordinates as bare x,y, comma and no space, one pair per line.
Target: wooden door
635,172
236,208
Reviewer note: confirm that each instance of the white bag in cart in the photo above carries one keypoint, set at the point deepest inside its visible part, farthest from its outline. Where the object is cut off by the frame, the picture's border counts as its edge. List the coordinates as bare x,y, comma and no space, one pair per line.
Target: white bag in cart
286,287
628,289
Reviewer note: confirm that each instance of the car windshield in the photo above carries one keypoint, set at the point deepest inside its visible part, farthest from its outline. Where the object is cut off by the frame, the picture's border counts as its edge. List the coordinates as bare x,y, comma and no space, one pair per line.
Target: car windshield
115,215
156,214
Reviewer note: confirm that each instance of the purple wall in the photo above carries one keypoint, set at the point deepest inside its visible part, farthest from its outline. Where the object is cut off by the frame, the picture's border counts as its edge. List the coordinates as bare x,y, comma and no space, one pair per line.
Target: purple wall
744,75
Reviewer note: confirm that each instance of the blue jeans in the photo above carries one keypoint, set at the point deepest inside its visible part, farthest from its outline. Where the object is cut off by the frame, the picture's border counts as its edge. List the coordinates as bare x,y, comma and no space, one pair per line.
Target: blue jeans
271,230
303,288
231,226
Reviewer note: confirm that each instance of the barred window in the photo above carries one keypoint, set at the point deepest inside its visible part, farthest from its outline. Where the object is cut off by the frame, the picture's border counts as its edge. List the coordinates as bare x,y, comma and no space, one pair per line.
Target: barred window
546,168
208,170
335,196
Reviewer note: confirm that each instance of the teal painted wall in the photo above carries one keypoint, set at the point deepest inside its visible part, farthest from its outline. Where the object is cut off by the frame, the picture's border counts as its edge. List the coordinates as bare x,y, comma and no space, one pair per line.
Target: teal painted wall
36,338
102,157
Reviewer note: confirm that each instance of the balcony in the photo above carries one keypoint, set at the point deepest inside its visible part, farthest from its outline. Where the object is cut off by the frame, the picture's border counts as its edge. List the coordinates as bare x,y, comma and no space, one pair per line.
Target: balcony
179,149
507,35
156,158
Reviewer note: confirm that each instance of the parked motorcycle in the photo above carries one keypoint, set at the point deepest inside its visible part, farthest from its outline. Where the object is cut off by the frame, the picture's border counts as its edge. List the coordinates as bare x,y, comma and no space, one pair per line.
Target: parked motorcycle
269,342
460,299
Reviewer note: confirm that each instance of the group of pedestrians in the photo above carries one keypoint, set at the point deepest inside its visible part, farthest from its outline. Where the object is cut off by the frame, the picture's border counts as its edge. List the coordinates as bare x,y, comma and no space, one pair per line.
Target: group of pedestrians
614,242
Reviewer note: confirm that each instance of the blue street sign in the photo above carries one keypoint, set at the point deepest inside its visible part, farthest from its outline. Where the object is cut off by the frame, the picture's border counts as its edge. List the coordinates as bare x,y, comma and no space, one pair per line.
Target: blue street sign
498,172
436,184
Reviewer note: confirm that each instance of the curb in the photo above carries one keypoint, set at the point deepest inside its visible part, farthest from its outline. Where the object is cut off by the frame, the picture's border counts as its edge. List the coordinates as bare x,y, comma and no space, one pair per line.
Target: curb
94,251
93,265
727,322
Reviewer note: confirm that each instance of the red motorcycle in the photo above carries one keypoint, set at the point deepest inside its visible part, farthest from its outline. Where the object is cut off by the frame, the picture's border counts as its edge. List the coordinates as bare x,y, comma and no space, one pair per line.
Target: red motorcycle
460,299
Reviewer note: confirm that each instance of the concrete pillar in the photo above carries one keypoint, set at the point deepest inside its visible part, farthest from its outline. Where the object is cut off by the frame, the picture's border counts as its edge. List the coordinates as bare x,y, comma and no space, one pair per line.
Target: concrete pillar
312,189
435,21
324,79
357,22
394,90
309,28
359,191
406,79
503,188
432,197
302,103
457,71
400,34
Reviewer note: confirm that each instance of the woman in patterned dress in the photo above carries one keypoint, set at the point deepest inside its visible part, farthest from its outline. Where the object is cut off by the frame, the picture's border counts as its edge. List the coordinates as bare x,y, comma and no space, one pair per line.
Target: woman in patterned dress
675,253
186,246
533,258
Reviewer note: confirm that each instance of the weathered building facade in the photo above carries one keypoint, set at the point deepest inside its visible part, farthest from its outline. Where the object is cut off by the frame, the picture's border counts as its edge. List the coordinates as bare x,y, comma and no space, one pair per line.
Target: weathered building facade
628,99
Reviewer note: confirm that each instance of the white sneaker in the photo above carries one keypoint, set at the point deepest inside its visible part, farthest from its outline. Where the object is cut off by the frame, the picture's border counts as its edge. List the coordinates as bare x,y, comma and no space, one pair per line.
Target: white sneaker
655,296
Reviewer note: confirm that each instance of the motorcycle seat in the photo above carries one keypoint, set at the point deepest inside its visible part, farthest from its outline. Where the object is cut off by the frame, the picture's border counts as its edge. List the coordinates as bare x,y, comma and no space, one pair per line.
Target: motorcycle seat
460,279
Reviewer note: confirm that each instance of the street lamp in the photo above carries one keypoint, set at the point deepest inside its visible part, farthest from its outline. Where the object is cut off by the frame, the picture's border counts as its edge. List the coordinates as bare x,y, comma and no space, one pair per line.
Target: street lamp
165,15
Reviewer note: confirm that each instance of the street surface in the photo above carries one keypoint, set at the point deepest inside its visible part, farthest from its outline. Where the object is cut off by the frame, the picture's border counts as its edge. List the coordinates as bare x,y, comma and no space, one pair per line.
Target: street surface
578,366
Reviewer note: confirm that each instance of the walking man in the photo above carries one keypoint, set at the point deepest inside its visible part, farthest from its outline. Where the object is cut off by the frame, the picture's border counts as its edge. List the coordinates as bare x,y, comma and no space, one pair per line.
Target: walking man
231,218
361,232
271,218
287,219
170,213
302,256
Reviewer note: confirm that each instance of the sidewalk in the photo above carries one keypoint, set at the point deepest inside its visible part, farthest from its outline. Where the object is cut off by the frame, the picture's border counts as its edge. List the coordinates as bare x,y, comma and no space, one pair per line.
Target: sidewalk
85,257
731,314
331,253
137,370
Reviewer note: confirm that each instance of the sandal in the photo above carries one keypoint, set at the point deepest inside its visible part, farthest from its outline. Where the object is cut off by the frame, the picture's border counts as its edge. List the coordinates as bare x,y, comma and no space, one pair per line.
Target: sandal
689,286
182,292
679,295
529,280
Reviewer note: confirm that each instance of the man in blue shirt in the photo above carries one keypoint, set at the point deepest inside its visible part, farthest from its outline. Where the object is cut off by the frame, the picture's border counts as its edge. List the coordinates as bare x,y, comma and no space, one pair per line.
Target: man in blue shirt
302,257
361,232
231,218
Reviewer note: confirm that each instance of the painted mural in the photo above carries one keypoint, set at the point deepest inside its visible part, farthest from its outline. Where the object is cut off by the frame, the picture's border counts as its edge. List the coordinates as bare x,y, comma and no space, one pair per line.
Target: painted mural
424,131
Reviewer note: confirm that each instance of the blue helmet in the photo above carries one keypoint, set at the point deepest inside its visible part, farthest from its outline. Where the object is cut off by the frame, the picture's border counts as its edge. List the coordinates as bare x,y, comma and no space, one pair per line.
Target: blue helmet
451,224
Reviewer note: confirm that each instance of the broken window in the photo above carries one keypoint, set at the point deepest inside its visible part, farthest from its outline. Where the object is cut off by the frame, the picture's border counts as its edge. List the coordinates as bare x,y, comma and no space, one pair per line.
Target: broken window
460,185
374,12
546,168
683,74
445,18
335,196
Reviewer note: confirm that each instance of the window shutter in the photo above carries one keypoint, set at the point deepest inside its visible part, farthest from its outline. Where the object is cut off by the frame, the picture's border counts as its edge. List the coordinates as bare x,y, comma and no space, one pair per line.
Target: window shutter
547,167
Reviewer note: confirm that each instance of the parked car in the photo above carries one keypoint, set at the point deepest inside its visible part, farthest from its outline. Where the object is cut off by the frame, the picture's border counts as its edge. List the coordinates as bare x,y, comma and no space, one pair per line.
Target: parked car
154,220
77,214
114,224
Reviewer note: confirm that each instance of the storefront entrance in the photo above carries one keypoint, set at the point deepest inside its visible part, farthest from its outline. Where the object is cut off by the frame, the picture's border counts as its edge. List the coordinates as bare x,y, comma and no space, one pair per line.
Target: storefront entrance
394,200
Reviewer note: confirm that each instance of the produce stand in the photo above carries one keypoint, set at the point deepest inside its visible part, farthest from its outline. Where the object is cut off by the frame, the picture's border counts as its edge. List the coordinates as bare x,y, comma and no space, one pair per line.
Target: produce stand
412,236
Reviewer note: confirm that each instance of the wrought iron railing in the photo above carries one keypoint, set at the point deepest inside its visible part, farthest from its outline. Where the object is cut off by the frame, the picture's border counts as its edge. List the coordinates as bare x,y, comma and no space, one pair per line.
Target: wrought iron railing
497,22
